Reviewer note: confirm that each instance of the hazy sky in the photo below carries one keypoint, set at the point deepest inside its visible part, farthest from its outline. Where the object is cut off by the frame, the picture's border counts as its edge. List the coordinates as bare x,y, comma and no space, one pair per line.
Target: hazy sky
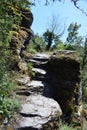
66,12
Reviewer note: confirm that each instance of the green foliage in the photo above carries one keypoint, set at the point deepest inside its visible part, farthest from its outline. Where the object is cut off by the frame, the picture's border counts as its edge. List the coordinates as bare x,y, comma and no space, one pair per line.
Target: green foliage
30,66
84,54
84,71
24,4
84,83
32,50
58,46
73,32
67,127
37,44
48,37
69,47
73,40
84,105
7,105
53,33
10,15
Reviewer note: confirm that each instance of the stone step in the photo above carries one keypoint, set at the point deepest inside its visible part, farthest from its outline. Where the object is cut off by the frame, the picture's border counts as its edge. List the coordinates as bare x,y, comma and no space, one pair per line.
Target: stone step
41,57
34,83
39,77
39,113
25,92
36,87
39,87
40,71
39,64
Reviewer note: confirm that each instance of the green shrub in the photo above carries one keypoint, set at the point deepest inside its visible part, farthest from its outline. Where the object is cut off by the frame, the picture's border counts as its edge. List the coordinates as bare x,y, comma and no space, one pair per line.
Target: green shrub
30,66
84,83
58,46
69,47
32,51
37,44
7,104
84,105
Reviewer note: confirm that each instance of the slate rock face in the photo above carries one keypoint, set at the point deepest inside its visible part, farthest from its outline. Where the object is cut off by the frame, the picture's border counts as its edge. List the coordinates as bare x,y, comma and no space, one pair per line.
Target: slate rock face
40,113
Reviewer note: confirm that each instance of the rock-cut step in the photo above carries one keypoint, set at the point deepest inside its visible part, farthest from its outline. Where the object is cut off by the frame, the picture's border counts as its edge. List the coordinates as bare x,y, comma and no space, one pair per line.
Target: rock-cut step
39,87
40,74
39,113
40,71
35,87
41,57
38,64
39,60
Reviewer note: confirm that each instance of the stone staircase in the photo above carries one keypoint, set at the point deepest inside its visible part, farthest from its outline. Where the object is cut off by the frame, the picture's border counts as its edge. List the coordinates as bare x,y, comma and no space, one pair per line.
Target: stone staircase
39,111
56,80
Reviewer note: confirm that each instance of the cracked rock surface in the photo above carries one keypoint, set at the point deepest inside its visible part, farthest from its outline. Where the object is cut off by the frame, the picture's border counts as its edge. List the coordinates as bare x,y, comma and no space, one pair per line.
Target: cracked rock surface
39,111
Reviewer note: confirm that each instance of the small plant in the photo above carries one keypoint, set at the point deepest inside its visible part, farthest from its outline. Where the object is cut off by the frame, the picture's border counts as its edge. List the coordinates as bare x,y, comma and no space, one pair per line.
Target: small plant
67,127
8,106
32,51
31,73
30,66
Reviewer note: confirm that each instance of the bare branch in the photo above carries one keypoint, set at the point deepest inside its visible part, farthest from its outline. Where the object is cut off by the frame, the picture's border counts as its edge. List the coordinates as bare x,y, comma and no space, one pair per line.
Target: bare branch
75,3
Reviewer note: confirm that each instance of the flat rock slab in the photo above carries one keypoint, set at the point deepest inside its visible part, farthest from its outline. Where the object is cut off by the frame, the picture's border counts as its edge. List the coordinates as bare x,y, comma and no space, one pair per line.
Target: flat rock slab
35,83
40,71
41,56
38,112
38,62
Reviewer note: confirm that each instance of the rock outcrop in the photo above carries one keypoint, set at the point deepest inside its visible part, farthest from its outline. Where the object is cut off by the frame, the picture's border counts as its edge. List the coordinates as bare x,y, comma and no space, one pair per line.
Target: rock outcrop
21,36
64,77
54,90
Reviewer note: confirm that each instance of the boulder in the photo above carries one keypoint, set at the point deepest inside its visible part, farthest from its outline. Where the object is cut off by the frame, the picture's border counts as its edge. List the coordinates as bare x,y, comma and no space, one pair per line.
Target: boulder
39,113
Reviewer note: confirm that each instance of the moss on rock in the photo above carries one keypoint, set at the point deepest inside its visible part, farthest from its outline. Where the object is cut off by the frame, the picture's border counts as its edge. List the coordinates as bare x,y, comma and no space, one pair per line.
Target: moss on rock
64,71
